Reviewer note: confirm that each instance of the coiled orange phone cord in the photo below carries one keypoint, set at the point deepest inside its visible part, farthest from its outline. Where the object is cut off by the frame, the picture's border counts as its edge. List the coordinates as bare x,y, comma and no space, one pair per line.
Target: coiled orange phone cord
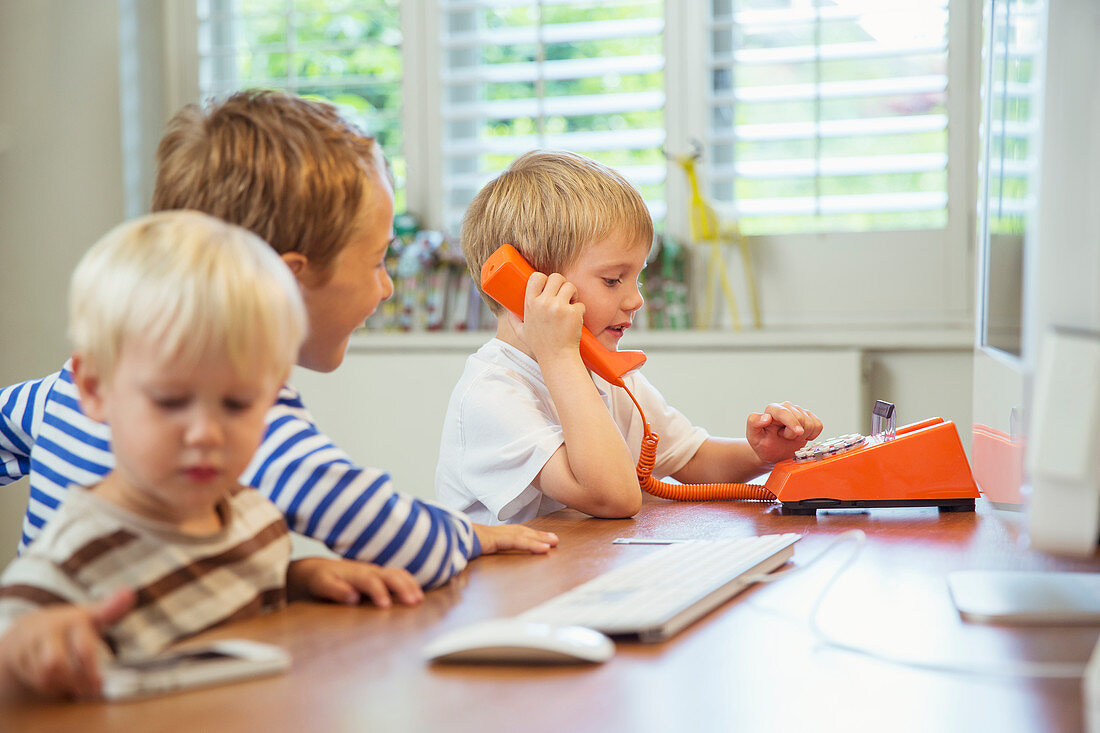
687,492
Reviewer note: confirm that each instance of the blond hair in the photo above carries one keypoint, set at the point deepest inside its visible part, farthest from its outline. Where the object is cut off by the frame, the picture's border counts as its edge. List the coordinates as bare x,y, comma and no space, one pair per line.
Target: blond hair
289,169
187,282
550,205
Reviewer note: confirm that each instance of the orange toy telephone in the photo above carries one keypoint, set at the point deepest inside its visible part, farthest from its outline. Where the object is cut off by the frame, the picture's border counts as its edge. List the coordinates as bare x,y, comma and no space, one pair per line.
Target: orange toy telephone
917,465
922,464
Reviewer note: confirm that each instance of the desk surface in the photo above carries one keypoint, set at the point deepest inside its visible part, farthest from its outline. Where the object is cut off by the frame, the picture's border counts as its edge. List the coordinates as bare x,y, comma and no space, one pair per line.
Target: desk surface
750,665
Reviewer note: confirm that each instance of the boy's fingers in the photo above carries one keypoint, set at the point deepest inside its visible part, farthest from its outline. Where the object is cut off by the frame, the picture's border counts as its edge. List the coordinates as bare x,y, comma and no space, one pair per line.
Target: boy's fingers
370,581
531,547
380,585
558,287
84,646
404,586
531,540
514,537
535,284
547,538
109,610
790,417
374,588
813,426
53,666
554,283
334,588
807,421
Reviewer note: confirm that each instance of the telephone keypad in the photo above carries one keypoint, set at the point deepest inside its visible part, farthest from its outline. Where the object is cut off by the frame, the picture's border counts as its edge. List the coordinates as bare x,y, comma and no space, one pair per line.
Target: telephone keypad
831,447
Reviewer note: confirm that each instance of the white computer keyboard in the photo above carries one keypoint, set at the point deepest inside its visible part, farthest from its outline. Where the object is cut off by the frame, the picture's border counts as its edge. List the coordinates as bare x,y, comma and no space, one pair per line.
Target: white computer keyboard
660,593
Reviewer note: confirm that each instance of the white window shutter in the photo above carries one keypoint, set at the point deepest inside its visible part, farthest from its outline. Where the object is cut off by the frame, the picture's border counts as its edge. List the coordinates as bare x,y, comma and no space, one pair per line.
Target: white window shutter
553,74
828,115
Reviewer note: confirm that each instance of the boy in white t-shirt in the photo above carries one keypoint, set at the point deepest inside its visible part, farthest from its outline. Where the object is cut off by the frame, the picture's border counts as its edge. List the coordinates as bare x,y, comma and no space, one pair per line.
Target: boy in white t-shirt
529,430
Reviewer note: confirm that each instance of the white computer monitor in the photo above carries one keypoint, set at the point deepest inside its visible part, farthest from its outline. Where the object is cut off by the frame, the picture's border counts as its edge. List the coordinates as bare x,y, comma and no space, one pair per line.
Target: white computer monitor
1039,265
1010,125
1036,440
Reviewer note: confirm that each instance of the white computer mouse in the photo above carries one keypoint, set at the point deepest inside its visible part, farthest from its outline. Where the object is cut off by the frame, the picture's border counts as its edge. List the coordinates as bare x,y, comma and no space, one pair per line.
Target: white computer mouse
514,641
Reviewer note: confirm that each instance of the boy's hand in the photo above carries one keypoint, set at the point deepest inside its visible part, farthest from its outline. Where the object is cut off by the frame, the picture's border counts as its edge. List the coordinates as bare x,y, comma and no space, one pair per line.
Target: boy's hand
551,320
347,581
780,430
56,651
514,537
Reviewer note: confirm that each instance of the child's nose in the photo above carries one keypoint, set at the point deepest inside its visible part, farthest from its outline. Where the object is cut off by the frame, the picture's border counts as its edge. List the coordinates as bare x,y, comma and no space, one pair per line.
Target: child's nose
387,285
634,299
205,430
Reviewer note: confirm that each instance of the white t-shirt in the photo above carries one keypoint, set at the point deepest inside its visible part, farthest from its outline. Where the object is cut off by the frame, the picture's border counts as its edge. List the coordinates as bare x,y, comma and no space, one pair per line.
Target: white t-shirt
502,427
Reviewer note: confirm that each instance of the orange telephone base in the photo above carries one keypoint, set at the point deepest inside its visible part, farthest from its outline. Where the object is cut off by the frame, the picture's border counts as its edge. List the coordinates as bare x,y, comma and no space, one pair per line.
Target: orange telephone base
924,465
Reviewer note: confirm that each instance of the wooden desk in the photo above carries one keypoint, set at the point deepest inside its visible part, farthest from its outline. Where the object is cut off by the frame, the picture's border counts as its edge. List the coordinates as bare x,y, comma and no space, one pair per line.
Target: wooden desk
750,665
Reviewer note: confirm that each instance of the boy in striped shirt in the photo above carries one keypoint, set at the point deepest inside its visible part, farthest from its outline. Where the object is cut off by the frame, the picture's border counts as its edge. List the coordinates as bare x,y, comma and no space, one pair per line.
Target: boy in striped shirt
183,329
318,191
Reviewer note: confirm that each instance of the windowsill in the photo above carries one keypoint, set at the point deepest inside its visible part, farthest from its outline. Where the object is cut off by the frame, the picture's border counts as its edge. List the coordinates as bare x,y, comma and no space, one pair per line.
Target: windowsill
912,338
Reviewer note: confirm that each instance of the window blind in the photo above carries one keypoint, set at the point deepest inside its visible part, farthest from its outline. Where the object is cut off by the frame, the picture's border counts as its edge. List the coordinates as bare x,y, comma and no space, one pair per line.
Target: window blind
347,52
828,115
516,76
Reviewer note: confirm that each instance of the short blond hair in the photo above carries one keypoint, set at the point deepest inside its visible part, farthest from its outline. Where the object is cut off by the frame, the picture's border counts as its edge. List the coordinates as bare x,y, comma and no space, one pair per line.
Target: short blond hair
291,170
188,282
550,205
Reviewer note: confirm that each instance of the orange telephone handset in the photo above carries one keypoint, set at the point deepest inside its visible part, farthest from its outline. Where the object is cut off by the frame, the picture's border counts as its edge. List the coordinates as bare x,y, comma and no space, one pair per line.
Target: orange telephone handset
504,277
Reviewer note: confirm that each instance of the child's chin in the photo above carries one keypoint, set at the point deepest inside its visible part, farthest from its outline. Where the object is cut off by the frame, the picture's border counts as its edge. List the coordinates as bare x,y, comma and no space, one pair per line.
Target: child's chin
610,341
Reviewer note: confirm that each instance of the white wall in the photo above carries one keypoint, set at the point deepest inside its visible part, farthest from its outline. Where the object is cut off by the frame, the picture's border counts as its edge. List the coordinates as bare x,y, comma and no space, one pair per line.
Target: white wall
60,180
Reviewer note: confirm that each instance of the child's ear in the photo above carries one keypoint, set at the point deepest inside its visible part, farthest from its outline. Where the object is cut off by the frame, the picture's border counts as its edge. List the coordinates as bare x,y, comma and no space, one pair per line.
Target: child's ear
89,384
304,271
297,262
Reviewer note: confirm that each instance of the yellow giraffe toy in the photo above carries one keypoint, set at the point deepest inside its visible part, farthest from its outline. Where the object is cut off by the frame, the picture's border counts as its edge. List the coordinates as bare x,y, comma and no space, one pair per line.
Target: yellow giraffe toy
708,229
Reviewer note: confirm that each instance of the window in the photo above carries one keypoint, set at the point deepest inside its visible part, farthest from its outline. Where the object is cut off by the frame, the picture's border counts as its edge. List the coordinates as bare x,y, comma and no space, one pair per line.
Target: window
1011,125
522,75
829,115
840,133
822,115
343,51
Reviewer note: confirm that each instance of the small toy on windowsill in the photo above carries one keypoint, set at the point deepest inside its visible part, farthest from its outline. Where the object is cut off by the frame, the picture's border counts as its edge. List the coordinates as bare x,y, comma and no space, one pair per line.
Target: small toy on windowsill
715,232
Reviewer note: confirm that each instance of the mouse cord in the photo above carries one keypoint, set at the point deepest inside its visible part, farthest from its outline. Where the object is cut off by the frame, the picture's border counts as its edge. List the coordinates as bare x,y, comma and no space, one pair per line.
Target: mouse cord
1046,670
686,492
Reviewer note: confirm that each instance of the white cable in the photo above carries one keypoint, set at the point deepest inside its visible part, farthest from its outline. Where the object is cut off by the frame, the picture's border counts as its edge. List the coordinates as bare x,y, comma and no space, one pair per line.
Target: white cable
852,534
1046,670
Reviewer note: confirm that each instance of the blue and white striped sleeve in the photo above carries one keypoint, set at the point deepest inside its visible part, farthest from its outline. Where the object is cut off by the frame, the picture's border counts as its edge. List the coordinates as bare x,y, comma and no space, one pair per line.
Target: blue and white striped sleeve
21,409
353,509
